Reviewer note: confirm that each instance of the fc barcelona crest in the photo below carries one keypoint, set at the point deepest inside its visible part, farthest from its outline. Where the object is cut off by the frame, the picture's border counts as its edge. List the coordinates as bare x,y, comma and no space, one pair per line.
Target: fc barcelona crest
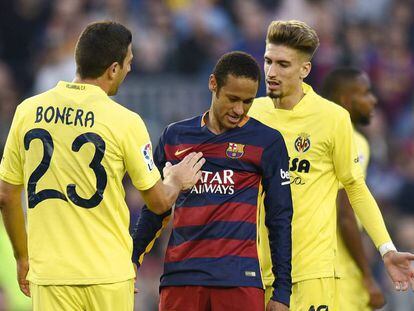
302,143
235,151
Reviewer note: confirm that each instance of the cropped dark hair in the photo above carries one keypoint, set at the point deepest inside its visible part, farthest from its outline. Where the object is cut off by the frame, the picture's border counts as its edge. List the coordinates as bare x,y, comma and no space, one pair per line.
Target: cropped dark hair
337,81
238,64
100,45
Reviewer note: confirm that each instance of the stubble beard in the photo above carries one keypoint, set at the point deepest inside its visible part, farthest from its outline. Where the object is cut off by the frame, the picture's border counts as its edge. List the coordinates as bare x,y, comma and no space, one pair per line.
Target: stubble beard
273,94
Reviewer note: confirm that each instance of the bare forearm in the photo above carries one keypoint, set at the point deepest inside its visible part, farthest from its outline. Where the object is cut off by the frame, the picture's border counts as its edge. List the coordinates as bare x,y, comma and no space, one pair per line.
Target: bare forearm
161,197
351,234
172,189
13,218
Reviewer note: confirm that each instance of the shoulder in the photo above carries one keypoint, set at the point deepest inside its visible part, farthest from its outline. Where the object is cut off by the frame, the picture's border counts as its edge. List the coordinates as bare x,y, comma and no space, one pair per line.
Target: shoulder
260,105
328,108
183,126
124,117
263,134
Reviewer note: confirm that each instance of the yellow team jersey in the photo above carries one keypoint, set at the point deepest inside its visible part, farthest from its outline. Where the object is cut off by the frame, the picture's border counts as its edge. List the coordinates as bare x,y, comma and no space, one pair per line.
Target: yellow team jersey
71,147
319,139
347,266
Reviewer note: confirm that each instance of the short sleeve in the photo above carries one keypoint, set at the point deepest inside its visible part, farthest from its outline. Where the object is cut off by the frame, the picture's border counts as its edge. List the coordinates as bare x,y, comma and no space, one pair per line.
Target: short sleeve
11,166
138,157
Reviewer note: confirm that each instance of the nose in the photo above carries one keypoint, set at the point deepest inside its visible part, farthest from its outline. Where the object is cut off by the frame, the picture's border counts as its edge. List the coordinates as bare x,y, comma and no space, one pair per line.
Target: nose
238,108
270,70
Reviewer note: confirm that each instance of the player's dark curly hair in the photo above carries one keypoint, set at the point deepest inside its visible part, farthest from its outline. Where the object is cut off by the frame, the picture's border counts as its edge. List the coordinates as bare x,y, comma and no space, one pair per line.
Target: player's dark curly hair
238,64
100,45
337,81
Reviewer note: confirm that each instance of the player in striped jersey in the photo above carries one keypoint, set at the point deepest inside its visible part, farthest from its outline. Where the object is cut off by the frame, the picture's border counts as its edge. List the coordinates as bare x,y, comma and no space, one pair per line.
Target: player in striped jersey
351,88
211,262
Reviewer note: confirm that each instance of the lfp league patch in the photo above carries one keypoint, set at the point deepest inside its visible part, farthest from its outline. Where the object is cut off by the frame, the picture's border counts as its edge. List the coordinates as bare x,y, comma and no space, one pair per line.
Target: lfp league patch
146,151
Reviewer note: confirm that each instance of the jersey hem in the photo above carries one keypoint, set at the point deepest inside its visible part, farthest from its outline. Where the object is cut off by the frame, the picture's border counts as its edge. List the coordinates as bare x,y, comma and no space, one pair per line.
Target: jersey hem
5,176
257,284
44,281
149,184
316,275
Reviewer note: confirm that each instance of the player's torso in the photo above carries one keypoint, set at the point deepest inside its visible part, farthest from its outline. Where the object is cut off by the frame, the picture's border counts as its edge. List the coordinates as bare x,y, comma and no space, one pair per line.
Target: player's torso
308,135
73,169
215,222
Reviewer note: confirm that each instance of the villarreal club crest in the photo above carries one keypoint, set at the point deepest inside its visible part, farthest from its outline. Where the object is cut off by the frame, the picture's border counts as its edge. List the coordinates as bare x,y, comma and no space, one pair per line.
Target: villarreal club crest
302,143
235,151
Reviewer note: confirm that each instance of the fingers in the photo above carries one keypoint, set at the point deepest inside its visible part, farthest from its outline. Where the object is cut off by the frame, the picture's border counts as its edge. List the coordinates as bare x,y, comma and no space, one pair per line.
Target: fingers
188,157
401,286
136,290
412,282
24,287
397,286
168,164
409,256
199,165
193,158
197,177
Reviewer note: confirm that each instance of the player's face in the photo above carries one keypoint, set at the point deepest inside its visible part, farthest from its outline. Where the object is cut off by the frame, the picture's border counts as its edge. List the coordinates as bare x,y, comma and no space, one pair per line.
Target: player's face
285,68
233,100
122,72
363,100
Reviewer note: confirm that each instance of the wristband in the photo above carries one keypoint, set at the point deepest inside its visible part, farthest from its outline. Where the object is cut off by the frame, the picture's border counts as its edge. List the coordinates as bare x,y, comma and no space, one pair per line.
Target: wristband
386,247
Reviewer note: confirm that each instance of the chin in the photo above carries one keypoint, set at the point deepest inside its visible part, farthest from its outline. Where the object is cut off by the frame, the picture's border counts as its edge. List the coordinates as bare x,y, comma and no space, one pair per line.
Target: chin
273,94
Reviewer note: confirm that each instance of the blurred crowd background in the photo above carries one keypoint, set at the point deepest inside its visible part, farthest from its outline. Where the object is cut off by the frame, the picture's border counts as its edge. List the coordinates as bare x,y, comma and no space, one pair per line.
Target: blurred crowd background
176,44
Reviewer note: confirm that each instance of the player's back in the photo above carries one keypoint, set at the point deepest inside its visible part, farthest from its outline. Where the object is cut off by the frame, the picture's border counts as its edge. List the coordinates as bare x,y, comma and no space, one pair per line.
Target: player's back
74,146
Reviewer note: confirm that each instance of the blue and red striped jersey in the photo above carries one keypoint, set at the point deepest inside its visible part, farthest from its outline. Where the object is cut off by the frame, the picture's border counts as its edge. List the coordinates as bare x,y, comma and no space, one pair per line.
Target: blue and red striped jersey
214,236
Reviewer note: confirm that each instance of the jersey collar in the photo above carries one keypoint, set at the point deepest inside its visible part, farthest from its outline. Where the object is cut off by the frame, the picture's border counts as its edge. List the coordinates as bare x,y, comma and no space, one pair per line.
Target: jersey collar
205,115
79,87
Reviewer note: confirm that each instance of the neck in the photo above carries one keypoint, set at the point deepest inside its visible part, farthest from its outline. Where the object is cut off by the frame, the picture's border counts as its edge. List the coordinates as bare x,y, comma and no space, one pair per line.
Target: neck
290,101
94,81
212,123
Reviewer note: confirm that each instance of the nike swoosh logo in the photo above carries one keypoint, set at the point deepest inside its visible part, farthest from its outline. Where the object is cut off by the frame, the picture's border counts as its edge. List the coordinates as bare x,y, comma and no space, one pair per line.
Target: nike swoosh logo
178,152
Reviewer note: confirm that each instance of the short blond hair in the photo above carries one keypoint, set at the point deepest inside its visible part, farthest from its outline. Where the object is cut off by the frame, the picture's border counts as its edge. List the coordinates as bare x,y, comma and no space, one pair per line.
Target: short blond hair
294,34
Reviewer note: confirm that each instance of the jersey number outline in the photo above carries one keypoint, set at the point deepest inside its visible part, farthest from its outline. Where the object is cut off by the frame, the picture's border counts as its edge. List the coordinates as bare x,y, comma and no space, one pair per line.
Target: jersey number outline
35,198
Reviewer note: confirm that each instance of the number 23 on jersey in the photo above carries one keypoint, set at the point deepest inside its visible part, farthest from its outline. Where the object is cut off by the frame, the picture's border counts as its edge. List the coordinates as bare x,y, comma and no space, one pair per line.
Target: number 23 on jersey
35,198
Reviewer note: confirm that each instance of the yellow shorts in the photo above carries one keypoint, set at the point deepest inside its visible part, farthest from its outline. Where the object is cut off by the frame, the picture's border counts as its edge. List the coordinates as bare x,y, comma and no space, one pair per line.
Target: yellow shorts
312,295
99,297
354,296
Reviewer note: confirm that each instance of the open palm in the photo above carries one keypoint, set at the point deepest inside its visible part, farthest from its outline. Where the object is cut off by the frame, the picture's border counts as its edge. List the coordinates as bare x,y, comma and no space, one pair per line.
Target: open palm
399,268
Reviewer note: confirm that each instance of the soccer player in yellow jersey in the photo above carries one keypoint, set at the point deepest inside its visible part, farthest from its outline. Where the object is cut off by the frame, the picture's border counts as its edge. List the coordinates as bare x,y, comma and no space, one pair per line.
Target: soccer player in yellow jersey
320,142
351,88
70,148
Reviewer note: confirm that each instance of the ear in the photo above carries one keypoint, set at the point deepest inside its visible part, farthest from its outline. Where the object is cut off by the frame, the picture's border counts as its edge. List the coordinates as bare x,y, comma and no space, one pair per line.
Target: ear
305,69
345,101
212,83
113,70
